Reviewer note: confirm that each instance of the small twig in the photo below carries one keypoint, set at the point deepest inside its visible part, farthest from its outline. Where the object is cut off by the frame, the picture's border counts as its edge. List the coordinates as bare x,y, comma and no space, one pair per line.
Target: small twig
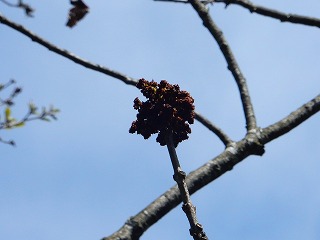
196,229
186,1
9,4
231,61
216,130
67,54
268,12
26,7
9,142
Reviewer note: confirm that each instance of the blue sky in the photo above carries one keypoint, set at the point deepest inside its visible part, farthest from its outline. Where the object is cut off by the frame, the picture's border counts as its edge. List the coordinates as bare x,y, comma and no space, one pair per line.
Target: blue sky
82,176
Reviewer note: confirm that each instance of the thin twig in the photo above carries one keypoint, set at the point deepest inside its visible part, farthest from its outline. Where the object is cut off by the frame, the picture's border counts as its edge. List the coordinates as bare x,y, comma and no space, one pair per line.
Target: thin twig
186,1
67,54
268,12
26,7
231,61
216,130
9,4
196,229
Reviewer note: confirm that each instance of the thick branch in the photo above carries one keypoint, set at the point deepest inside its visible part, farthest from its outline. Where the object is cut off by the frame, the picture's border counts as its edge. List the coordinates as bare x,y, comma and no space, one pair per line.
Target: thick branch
232,63
291,121
252,144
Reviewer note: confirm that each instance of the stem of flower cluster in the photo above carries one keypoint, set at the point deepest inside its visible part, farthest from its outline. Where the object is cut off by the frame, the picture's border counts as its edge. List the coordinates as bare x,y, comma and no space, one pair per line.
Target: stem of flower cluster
196,229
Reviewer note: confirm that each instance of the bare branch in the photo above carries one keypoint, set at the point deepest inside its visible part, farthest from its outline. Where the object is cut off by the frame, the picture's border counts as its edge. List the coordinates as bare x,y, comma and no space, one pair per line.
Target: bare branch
251,145
213,128
26,7
283,17
196,229
268,12
231,61
9,3
186,1
291,121
67,54
196,180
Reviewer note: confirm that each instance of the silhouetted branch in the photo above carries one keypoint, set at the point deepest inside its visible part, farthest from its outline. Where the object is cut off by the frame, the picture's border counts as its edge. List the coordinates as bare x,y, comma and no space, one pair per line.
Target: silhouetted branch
67,54
268,12
250,145
231,61
196,229
216,130
186,1
26,7
291,121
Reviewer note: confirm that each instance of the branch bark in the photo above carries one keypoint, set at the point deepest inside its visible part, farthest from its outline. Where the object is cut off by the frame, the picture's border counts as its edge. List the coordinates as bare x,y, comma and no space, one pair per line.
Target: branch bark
233,66
196,229
291,121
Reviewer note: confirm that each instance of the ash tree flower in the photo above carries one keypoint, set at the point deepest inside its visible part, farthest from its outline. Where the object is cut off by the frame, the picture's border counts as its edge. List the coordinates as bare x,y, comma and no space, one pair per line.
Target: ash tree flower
167,109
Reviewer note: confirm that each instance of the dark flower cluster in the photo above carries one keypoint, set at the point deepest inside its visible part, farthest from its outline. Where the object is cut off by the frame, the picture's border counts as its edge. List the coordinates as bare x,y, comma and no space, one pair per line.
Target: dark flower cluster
167,109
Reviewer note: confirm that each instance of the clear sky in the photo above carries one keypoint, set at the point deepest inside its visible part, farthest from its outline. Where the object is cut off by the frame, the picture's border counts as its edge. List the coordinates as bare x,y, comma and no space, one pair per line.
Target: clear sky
83,176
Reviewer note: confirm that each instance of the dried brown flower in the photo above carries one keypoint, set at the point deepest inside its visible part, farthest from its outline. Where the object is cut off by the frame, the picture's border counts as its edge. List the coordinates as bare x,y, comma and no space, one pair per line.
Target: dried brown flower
167,109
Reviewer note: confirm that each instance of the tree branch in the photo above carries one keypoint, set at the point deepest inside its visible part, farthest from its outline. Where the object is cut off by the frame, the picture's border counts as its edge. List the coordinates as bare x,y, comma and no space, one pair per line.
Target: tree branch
186,1
268,12
26,7
213,128
196,229
252,144
291,121
231,61
66,54
9,4
283,17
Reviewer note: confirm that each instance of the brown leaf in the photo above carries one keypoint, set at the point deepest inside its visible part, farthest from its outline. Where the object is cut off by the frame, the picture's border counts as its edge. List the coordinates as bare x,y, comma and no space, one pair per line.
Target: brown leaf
76,13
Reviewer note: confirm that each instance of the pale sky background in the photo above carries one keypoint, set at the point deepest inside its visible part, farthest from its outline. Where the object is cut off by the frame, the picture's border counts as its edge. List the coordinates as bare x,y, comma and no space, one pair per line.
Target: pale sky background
84,175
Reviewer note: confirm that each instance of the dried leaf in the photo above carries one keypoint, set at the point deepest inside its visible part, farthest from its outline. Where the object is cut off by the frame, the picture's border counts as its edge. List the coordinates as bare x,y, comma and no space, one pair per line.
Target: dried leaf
76,13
